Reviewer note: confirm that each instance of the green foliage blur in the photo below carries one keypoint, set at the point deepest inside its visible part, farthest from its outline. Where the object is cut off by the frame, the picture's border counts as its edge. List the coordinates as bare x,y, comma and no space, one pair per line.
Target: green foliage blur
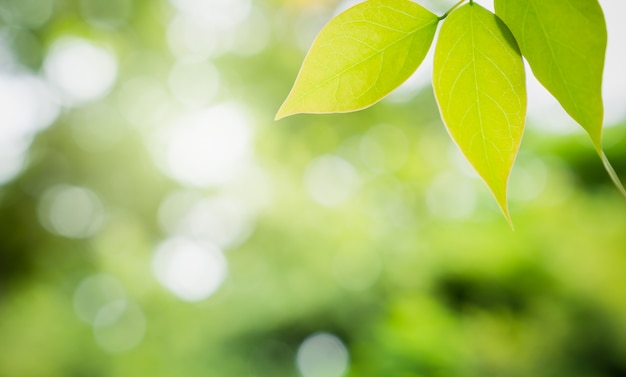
156,221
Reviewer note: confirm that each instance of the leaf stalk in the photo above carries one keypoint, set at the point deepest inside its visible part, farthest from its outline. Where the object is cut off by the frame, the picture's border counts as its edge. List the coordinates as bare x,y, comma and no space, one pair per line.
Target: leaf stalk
609,169
451,9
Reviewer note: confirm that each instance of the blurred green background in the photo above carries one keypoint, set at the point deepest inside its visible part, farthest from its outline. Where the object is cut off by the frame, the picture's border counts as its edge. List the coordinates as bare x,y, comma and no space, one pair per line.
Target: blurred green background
156,221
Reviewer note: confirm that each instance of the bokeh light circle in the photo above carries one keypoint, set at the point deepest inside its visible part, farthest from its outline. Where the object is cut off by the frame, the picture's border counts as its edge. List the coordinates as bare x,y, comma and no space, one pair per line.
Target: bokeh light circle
191,271
331,180
322,355
207,147
120,326
71,211
94,293
80,70
222,220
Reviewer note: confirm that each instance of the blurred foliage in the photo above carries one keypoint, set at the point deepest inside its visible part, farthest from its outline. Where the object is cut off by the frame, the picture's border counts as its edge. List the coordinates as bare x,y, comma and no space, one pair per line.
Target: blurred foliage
367,226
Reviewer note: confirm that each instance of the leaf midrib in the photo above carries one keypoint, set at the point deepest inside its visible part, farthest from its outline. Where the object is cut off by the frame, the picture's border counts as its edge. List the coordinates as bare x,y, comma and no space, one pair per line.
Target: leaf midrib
477,91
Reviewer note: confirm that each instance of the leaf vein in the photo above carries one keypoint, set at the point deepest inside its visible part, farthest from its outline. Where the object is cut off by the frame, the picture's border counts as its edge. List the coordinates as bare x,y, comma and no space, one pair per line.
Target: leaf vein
362,61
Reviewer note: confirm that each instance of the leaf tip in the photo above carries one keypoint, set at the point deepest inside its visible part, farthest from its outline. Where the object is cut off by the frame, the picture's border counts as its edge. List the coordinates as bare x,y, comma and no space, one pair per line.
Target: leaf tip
501,199
283,112
507,216
279,115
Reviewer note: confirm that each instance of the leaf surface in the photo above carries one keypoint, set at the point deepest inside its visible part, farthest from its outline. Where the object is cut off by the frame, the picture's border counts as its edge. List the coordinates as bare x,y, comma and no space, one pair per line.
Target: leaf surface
360,56
480,87
564,42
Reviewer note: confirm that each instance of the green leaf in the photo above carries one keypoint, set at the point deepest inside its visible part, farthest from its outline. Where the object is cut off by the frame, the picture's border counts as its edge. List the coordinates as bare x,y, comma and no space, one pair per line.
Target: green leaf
480,88
360,56
564,42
